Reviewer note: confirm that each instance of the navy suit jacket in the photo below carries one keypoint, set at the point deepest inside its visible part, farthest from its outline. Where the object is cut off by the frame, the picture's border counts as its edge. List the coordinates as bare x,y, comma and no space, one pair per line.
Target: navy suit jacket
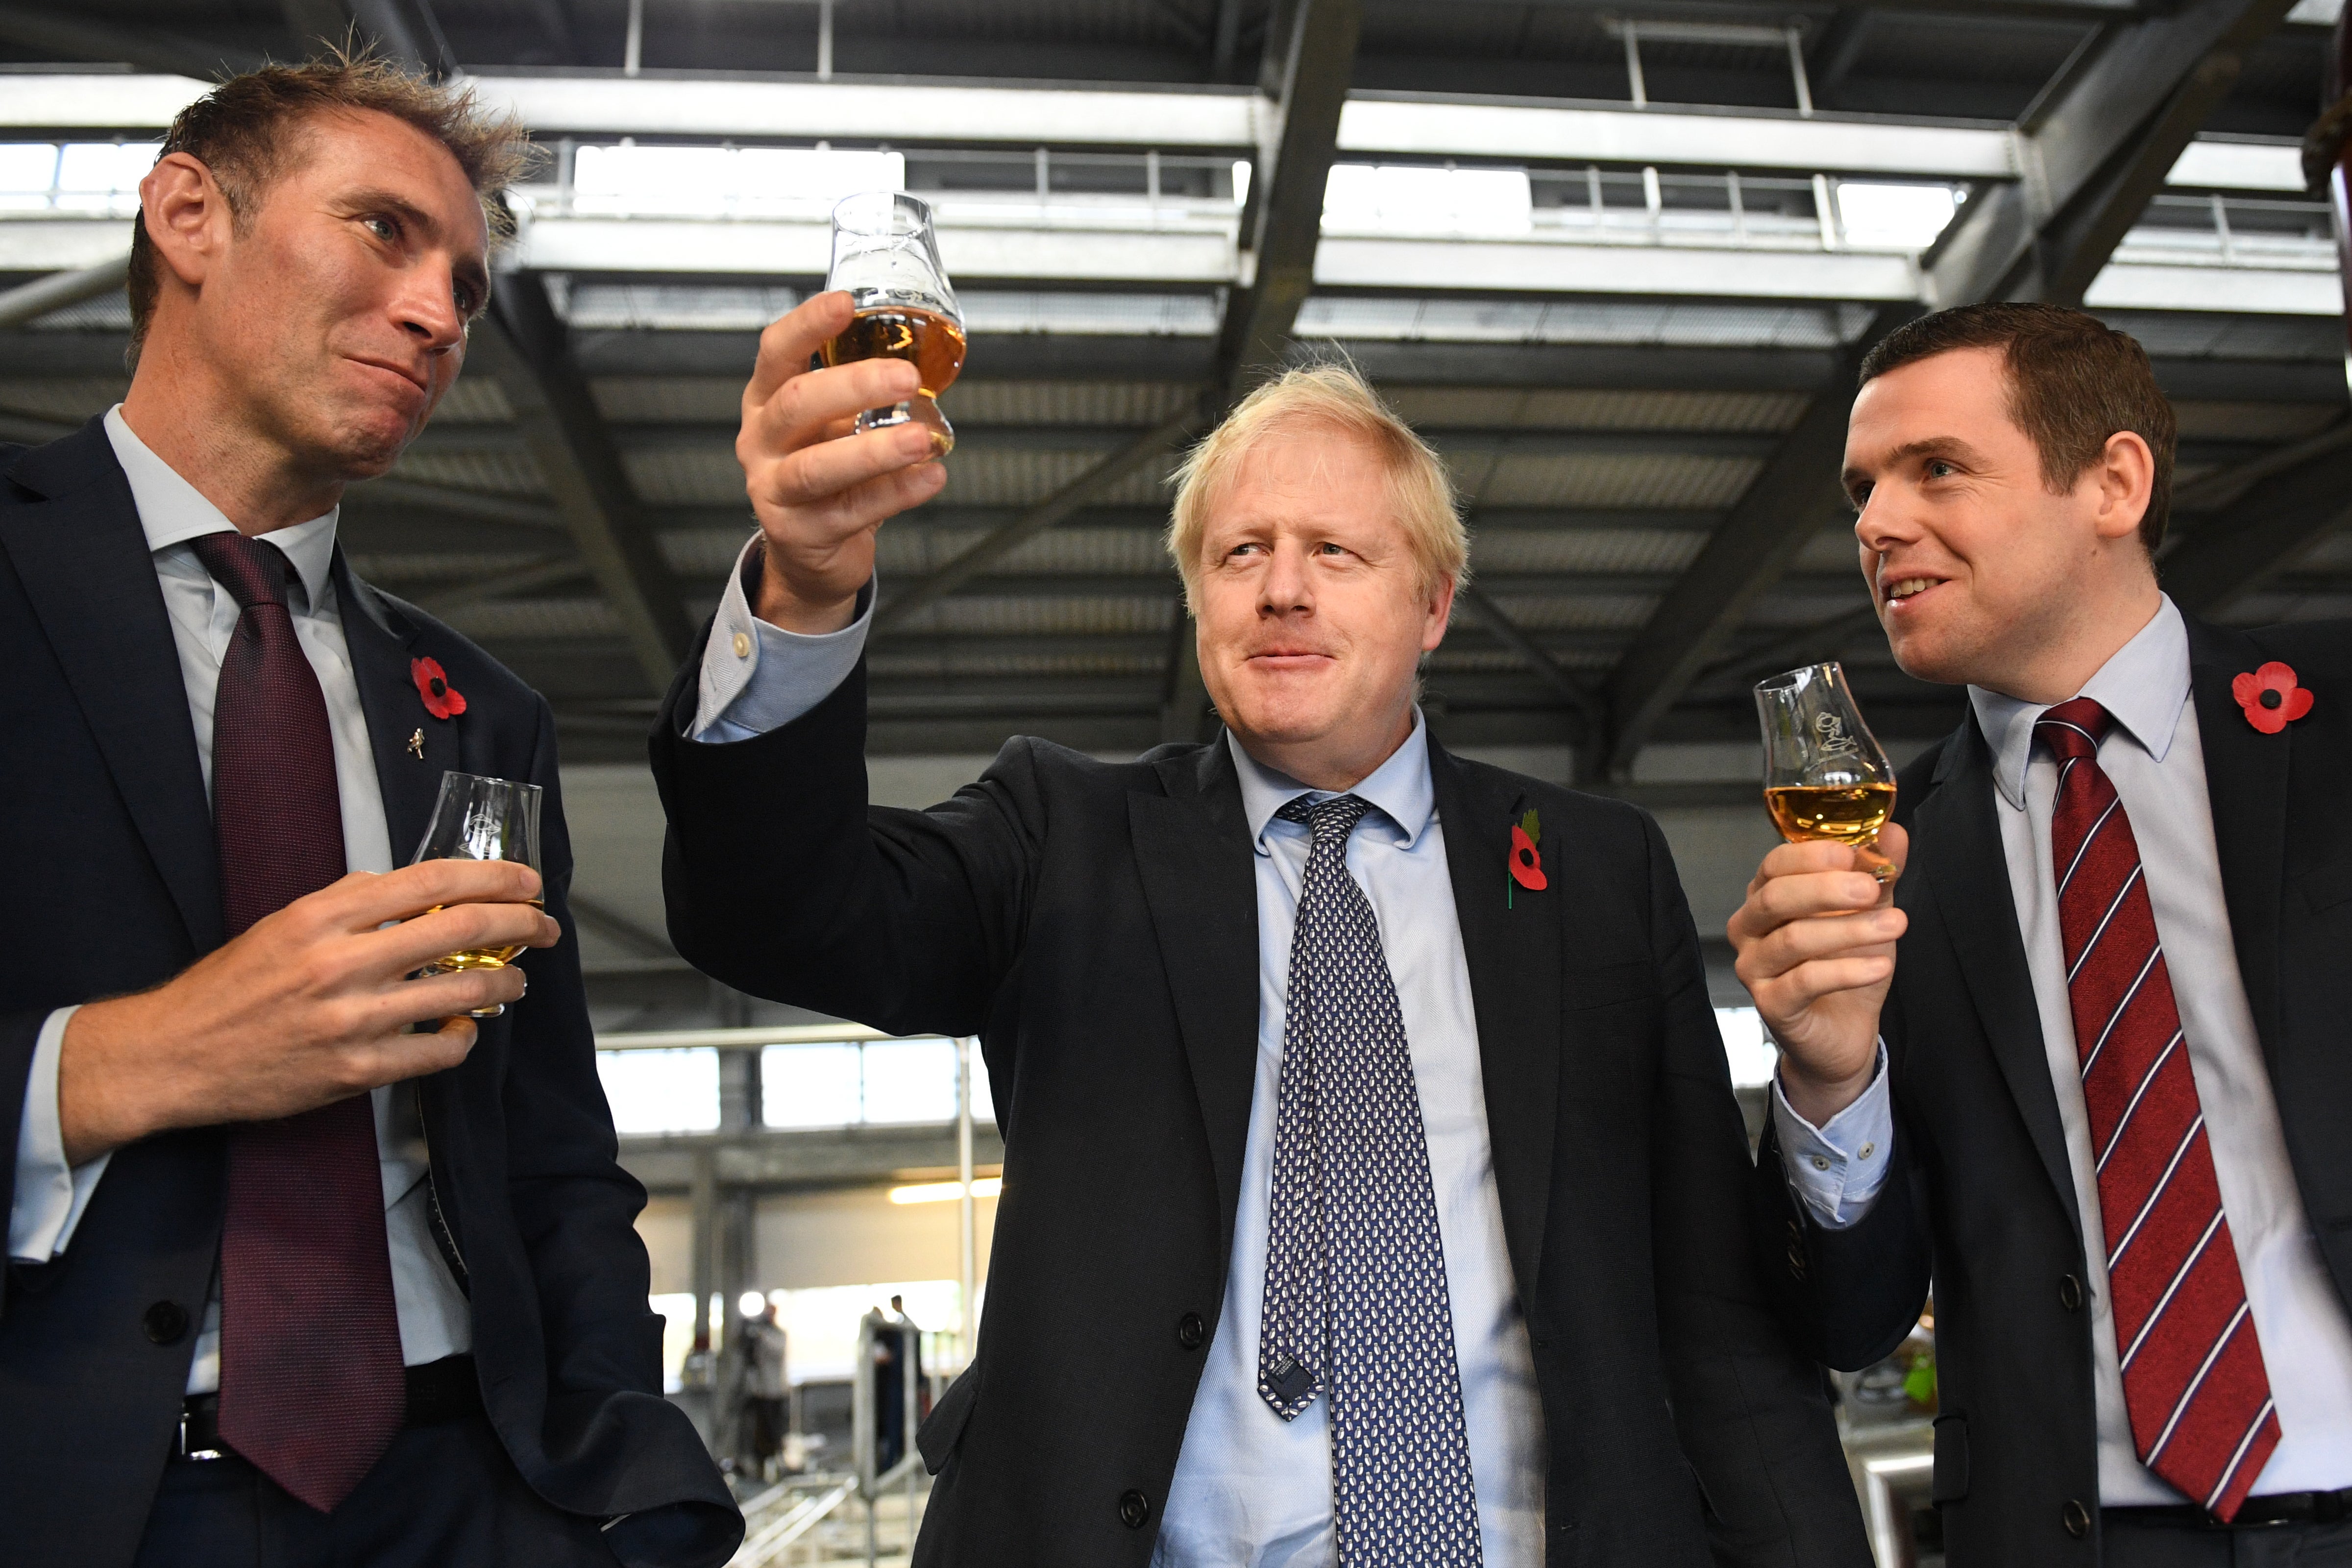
1983,1198
107,837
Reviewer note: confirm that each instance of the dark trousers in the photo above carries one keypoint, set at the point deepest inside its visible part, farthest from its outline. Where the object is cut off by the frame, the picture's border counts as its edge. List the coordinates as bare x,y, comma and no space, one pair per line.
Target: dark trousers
2131,1543
445,1496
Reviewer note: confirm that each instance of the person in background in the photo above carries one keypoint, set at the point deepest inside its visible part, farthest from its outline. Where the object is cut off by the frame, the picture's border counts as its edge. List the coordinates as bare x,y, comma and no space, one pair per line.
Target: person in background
767,1388
288,1282
2110,1105
1374,1190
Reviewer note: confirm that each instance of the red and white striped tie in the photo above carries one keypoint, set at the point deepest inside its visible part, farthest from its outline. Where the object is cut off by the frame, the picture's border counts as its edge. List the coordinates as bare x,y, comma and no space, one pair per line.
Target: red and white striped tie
2194,1382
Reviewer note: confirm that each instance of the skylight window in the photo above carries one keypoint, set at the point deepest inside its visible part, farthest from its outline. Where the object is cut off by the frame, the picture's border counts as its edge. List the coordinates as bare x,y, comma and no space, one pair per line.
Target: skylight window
726,181
99,178
1894,218
1407,198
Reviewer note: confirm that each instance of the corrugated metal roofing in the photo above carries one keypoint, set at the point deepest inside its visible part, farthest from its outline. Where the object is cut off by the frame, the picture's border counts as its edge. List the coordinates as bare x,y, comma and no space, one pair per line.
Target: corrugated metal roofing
985,615
501,473
1550,408
1609,479
1598,550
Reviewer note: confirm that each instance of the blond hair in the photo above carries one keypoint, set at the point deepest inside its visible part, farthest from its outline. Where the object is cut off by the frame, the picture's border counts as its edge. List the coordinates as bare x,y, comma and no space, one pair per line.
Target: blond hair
1337,398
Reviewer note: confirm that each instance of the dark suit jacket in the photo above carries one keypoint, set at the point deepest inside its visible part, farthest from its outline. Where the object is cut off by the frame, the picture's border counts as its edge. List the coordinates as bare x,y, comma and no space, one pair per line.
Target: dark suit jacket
1985,1191
107,836
1095,924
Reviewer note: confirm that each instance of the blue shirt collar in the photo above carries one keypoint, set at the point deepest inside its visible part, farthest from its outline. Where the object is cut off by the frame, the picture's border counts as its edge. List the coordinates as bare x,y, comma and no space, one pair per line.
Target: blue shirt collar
172,511
1398,789
2144,685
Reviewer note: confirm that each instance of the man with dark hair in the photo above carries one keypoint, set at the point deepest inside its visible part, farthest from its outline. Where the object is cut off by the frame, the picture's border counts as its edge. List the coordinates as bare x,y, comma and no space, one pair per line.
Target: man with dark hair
2101,1087
287,1281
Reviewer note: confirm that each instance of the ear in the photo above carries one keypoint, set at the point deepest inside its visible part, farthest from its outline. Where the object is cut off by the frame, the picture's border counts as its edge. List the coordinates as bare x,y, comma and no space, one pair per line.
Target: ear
187,216
1440,610
2125,478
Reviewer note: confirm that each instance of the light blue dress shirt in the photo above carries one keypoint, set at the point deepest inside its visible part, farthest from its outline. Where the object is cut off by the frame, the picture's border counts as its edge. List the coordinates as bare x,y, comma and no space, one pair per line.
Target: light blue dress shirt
1251,1490
2155,759
50,1195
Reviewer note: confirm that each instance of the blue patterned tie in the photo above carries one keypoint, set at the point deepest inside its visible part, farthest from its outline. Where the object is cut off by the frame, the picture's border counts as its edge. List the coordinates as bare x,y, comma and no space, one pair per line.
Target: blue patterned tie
1355,1273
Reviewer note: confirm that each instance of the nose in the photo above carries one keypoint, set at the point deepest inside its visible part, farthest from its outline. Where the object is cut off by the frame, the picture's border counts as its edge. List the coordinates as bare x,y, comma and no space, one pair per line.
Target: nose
1284,589
428,308
1880,526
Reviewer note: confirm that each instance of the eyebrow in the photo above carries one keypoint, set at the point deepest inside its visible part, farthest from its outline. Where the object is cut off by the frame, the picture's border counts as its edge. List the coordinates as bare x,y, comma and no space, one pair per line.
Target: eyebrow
470,270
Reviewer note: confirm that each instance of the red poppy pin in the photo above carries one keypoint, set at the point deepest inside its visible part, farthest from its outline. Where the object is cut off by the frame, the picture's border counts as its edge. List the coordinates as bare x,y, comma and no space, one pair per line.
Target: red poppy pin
442,699
1527,858
2271,698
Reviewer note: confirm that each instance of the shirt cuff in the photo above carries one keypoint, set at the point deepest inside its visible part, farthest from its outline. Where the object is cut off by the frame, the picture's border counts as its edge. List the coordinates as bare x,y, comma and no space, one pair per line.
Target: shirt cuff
756,676
1836,1170
50,1194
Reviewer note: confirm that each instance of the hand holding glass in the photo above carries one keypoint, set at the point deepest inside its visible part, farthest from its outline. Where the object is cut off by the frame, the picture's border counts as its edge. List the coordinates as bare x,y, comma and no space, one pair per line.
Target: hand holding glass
1825,775
481,820
887,256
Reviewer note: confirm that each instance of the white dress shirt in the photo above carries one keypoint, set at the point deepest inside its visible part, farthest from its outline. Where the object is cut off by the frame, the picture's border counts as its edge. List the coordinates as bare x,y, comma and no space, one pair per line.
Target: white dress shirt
1251,1490
50,1197
2157,764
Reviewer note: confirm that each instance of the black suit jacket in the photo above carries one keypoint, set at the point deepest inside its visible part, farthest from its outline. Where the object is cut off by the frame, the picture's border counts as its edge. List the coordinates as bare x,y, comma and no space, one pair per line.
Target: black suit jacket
1984,1192
1095,924
107,836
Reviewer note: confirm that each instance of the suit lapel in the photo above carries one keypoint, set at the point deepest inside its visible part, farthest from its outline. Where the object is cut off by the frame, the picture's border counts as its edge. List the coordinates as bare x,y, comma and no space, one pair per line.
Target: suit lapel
2246,778
1962,869
84,562
1514,949
379,639
1192,852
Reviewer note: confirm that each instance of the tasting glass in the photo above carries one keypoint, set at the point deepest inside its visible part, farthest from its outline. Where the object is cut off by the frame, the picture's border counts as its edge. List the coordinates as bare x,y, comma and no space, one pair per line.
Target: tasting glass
886,253
481,820
1825,775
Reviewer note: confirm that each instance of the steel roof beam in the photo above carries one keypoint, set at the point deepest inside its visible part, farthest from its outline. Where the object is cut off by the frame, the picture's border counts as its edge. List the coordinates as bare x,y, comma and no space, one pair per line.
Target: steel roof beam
2276,521
523,345
144,49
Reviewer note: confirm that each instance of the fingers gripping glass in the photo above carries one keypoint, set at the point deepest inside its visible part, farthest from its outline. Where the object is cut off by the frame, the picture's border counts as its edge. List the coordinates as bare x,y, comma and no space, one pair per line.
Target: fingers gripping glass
887,256
1824,773
481,820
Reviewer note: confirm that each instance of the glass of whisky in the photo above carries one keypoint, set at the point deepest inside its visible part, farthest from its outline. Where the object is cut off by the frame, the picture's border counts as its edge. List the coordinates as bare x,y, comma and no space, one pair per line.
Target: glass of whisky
1825,775
887,254
481,820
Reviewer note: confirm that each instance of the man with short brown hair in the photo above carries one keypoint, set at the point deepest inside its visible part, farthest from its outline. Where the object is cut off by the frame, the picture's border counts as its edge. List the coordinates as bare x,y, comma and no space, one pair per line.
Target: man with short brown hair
2101,1084
288,1282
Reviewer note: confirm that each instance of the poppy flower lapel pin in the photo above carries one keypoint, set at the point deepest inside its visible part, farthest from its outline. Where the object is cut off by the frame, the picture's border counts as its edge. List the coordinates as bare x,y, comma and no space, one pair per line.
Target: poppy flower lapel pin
442,699
1526,859
2271,698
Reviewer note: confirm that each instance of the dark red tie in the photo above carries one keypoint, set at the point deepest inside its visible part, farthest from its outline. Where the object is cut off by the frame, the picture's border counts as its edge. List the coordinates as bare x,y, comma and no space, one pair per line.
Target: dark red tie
2194,1382
310,1388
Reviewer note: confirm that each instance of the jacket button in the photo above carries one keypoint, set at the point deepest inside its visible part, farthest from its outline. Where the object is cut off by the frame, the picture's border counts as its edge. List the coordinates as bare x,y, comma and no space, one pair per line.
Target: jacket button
1191,1330
2070,1292
165,1322
2077,1518
1134,1510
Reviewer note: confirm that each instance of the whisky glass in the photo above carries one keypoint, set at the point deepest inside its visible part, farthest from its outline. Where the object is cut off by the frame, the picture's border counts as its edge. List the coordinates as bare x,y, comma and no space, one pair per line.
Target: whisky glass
886,253
481,820
1825,775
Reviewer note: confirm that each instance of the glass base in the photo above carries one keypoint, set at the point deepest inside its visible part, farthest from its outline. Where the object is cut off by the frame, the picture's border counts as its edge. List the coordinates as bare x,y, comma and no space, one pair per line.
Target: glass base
915,411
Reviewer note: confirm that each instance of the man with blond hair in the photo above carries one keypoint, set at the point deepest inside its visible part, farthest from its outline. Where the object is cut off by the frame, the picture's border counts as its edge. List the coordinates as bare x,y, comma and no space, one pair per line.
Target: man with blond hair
290,1281
1374,1182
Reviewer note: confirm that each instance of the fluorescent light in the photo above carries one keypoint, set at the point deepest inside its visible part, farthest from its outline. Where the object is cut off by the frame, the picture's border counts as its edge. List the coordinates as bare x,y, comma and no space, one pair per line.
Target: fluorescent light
2239,166
751,1304
1241,181
946,1192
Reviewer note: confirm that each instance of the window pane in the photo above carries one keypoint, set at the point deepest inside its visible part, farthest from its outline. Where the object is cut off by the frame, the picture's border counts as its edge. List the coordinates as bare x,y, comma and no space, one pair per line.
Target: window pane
1753,1056
809,1086
661,1091
910,1080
